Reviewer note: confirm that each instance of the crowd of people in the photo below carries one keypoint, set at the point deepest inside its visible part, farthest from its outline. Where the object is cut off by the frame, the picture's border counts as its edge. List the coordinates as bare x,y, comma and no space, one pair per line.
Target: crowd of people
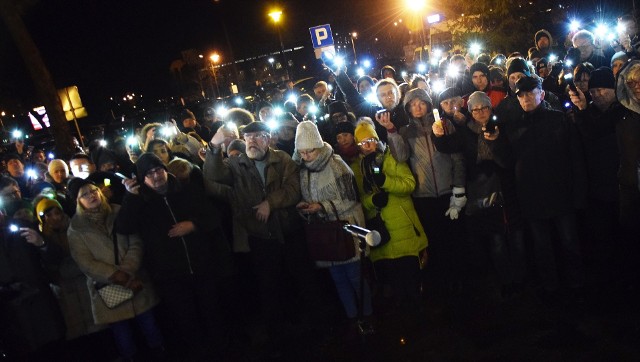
533,159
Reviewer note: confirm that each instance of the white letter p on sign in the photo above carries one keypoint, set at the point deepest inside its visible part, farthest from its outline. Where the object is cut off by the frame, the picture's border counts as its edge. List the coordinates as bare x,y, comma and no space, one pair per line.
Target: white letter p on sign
321,34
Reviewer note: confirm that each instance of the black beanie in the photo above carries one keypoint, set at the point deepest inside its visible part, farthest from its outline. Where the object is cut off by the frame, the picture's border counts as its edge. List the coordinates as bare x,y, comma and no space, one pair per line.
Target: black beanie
448,93
479,67
518,65
602,78
337,107
74,186
146,162
344,127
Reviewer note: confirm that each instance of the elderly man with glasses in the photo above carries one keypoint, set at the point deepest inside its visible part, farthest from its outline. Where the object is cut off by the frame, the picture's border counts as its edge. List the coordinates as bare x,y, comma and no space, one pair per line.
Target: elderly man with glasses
544,150
265,187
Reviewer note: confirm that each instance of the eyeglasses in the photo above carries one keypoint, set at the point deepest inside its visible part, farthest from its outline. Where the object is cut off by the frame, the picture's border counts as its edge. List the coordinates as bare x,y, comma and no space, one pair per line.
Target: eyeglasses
154,171
88,193
480,110
306,152
367,142
255,136
632,83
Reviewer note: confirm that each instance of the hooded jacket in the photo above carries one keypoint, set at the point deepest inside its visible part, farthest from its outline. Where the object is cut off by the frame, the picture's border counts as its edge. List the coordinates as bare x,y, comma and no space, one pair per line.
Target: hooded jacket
435,173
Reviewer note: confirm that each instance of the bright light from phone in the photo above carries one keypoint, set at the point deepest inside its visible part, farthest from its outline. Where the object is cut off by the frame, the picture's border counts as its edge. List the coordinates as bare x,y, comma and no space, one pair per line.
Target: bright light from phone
475,48
31,174
452,70
273,124
601,31
360,72
13,228
372,98
166,131
292,98
568,63
131,140
437,53
338,61
103,143
330,88
238,101
437,86
222,111
17,134
611,36
277,112
403,74
51,156
529,63
621,28
313,109
553,57
366,64
574,25
422,67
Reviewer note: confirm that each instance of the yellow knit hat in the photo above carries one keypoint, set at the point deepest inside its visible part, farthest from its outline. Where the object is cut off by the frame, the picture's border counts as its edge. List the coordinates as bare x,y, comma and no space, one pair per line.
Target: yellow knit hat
365,130
44,205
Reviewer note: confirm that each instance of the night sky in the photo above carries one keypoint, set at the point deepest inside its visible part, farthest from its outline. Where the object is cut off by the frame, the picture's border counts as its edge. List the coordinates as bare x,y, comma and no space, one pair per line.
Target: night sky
108,48
112,47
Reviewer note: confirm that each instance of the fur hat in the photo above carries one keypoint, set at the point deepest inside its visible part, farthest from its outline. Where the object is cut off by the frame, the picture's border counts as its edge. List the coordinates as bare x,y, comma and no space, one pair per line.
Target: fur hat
542,33
239,116
602,78
365,130
476,98
308,136
146,162
44,205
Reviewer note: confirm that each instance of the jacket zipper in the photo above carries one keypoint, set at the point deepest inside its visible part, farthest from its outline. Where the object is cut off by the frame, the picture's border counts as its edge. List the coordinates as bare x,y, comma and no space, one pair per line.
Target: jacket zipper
184,242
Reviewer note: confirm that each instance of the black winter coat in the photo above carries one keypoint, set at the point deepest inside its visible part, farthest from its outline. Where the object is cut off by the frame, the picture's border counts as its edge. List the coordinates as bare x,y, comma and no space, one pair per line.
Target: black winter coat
544,149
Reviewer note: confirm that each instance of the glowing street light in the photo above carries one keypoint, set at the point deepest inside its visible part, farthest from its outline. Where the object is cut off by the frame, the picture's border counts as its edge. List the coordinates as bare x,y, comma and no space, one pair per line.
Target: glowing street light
215,58
475,49
276,15
354,35
416,5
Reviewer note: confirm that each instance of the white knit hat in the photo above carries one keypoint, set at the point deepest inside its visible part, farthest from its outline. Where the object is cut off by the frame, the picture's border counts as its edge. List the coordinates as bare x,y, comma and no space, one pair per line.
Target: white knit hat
308,136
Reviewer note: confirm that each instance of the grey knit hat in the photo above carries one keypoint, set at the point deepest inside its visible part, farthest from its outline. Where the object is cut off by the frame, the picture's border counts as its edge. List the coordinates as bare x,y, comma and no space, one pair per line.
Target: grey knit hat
308,136
476,98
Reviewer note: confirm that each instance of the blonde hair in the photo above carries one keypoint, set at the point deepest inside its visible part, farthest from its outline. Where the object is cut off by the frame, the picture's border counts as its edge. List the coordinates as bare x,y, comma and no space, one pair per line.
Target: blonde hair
104,203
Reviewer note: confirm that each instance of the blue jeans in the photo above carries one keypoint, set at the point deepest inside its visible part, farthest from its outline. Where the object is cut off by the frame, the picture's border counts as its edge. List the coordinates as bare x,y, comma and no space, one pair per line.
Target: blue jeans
569,246
123,334
346,277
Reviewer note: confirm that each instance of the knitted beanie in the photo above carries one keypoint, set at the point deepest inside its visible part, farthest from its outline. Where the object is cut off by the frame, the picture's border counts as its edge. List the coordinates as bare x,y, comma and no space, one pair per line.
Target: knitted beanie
602,78
44,205
365,130
518,65
478,98
344,127
57,163
307,136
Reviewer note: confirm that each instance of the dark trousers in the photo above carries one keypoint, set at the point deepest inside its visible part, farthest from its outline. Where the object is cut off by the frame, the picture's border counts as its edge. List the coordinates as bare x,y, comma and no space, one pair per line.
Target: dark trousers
275,264
402,275
447,259
190,315
544,243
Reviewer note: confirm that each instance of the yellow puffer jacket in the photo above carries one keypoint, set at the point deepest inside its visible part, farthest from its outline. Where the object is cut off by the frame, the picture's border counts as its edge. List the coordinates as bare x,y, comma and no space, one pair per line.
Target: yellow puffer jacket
407,235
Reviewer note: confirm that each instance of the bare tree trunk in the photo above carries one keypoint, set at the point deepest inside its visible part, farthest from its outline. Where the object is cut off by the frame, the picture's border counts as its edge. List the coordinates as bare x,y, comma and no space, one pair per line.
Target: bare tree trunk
41,77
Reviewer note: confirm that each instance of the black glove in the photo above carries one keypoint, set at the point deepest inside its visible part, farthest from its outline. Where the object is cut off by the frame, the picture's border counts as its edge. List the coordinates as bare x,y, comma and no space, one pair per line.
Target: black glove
556,69
381,199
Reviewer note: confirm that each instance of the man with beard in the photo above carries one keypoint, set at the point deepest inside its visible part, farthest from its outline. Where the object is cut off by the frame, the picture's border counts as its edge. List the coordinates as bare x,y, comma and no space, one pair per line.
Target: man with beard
265,187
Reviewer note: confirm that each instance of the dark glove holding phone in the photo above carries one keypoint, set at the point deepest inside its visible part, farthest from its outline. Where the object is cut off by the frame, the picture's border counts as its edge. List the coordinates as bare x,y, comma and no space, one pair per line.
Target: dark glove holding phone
381,199
556,69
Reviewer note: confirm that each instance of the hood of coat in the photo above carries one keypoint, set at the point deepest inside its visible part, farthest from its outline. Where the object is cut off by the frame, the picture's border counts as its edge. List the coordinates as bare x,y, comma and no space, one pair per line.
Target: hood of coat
417,93
624,94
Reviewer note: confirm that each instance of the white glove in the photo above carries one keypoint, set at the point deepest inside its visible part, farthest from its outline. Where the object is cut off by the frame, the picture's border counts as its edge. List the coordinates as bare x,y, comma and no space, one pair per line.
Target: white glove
456,203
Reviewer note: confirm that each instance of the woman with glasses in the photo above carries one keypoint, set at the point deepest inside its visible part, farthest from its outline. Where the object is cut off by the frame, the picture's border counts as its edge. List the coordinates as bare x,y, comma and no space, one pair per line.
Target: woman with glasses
109,258
490,192
385,186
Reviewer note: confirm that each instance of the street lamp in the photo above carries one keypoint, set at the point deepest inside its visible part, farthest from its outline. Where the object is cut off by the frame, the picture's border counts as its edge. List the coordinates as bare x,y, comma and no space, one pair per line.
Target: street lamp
215,58
354,35
276,15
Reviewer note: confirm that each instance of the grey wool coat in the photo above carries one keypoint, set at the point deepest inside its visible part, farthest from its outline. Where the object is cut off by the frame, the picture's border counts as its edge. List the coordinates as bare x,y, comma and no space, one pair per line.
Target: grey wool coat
92,249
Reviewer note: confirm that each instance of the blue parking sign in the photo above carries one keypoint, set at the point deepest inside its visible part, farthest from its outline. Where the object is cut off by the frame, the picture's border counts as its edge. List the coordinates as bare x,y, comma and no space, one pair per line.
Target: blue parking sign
321,36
